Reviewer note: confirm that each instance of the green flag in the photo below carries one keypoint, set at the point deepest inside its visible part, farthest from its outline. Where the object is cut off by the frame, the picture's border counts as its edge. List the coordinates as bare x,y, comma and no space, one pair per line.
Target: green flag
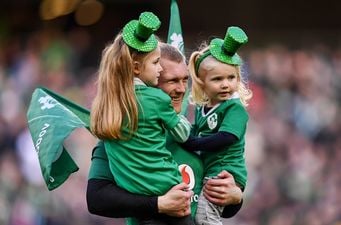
175,38
51,119
174,32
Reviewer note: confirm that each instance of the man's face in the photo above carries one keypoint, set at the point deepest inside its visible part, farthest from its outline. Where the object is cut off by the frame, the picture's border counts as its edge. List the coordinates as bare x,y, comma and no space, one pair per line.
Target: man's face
173,80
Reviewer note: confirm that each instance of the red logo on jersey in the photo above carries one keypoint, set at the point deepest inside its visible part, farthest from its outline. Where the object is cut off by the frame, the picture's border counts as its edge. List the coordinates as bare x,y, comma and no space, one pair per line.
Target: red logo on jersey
187,175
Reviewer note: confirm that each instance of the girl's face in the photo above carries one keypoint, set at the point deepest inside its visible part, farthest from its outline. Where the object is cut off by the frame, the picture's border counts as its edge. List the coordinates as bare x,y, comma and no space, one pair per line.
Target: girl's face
220,82
149,70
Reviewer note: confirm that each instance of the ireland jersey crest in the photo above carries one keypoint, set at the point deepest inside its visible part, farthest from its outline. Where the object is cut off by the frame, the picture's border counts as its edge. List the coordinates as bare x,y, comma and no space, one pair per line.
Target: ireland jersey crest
212,121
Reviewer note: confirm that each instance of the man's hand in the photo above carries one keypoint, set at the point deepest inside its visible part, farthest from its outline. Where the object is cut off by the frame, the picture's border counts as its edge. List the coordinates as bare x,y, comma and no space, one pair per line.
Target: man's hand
223,191
176,202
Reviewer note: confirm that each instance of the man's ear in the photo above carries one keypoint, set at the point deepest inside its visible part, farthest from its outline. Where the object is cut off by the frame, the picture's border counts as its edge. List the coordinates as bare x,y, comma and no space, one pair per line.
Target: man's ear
137,67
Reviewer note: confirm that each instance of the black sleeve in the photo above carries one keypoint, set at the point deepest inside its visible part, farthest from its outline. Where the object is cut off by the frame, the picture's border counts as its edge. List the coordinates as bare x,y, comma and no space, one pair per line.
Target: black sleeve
105,198
214,142
231,210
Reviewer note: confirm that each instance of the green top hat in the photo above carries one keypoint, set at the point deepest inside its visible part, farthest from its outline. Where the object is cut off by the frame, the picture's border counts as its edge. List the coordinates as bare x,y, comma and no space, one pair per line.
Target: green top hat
225,50
139,34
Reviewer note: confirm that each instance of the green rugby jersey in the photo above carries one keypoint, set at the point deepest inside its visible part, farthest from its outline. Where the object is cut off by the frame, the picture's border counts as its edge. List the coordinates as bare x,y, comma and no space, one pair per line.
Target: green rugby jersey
142,164
229,116
190,167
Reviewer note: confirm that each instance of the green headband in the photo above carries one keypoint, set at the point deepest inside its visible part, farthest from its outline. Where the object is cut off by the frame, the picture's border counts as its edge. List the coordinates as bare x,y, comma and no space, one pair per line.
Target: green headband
200,59
225,50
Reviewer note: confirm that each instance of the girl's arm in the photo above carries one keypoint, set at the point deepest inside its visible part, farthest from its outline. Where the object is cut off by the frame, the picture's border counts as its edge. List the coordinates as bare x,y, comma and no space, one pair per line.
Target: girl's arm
214,142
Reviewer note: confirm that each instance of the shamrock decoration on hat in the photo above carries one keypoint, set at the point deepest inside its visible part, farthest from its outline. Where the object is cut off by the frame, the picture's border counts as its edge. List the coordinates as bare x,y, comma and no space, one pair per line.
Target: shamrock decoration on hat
225,50
139,34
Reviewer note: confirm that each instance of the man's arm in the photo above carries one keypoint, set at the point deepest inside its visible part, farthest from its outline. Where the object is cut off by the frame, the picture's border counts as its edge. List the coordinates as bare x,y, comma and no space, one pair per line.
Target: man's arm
224,192
105,198
176,202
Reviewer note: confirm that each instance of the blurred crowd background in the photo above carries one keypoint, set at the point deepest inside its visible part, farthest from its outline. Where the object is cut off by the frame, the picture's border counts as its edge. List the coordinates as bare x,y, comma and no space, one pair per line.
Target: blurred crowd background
293,146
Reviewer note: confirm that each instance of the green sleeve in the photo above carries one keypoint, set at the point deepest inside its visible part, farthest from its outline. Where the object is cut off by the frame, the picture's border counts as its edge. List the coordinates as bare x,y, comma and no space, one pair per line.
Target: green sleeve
166,111
235,121
182,130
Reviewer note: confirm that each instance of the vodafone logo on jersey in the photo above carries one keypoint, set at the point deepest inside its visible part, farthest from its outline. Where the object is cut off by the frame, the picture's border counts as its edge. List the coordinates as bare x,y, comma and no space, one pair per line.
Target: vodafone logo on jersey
187,175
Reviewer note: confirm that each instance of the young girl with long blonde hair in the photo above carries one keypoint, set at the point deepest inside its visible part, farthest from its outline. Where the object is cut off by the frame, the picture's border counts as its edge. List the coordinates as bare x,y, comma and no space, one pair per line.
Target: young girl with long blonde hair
132,116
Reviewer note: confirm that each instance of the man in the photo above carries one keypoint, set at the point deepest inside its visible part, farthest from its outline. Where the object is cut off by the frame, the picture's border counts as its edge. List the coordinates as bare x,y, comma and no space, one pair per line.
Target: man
105,198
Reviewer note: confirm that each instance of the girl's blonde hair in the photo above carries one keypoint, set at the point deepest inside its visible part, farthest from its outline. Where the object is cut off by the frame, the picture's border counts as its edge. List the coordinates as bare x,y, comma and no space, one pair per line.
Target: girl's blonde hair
198,94
115,105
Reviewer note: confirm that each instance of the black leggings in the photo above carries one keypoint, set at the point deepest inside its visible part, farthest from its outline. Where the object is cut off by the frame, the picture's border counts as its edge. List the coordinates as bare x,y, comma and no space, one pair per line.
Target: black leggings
163,219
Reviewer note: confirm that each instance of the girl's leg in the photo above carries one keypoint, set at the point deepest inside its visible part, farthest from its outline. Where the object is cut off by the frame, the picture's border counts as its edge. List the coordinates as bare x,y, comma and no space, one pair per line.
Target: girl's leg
208,213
